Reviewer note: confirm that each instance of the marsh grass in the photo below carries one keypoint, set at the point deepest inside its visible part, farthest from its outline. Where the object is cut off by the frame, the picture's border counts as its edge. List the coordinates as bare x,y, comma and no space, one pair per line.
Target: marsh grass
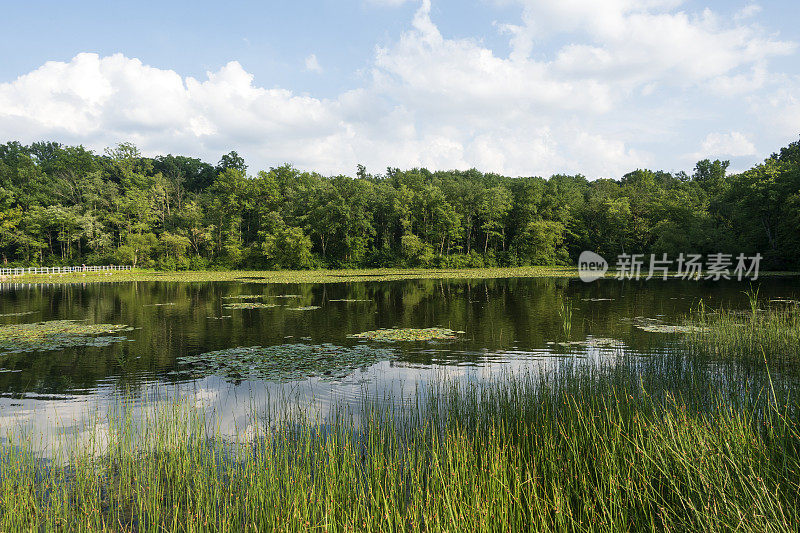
772,333
591,453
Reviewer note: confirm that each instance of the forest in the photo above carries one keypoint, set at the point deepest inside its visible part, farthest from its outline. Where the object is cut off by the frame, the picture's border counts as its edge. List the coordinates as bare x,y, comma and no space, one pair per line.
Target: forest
66,205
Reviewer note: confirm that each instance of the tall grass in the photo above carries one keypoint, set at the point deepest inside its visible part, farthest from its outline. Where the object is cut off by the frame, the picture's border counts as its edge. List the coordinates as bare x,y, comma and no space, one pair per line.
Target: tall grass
772,333
587,453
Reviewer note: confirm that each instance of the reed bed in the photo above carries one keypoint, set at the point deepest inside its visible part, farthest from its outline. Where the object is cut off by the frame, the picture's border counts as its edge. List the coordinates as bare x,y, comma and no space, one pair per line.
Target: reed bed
771,333
595,452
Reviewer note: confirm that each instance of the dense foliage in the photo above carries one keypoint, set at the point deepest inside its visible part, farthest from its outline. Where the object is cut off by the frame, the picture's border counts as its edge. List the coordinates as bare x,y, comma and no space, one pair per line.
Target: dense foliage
67,205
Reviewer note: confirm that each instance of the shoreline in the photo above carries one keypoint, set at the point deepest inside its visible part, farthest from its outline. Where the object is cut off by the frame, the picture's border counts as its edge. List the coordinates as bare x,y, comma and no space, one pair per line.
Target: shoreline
323,276
299,276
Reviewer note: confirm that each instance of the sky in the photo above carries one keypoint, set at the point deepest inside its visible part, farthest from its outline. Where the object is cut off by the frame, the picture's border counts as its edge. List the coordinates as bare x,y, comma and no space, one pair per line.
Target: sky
518,87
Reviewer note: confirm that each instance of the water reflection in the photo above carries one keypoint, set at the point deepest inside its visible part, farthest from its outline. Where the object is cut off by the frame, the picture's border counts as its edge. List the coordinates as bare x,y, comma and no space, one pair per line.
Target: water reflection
510,326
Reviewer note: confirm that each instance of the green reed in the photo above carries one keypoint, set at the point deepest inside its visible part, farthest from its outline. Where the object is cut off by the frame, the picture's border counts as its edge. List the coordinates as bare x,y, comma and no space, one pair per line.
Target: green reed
565,314
752,299
772,333
589,452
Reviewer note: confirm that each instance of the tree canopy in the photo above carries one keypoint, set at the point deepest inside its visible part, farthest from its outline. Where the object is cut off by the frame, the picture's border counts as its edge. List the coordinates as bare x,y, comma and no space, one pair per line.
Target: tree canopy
66,205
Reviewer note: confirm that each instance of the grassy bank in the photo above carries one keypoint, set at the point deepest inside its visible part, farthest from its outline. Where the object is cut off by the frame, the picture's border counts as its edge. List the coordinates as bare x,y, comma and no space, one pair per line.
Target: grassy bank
302,276
590,453
319,276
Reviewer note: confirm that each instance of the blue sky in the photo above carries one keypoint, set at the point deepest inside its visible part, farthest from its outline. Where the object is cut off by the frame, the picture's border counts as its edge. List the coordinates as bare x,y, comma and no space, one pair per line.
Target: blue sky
523,87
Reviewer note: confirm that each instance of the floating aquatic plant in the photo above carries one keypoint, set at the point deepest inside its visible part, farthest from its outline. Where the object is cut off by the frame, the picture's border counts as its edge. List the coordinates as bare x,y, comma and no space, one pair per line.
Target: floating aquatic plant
57,335
157,305
286,362
306,308
665,328
243,297
349,300
407,334
23,313
248,305
594,342
654,325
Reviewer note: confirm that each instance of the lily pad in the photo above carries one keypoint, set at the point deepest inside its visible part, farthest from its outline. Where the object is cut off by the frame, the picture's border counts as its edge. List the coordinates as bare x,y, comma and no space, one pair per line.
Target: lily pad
349,300
306,308
665,328
654,325
23,313
57,335
248,305
286,362
595,342
407,334
244,297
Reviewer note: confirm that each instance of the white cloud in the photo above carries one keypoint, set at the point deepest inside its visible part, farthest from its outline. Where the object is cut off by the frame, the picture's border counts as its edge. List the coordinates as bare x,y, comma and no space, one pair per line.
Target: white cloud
747,12
105,100
430,70
734,144
632,43
779,109
619,89
312,64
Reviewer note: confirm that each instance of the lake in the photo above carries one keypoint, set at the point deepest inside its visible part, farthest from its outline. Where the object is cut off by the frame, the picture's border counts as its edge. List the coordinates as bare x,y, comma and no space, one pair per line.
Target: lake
309,357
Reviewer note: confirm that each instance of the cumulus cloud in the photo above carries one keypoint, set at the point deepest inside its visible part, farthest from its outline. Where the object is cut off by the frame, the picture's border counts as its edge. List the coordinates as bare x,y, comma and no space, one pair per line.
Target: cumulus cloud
429,70
632,42
588,106
734,144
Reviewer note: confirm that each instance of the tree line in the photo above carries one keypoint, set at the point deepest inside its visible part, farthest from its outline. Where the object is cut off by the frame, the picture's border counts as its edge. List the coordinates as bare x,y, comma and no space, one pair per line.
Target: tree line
68,205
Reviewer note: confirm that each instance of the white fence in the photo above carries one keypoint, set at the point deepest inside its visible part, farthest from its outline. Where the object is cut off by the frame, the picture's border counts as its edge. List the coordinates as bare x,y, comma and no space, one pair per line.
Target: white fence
24,271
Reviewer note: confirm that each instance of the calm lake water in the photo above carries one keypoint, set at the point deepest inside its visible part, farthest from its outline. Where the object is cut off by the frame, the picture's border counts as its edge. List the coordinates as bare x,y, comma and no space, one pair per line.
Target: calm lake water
507,325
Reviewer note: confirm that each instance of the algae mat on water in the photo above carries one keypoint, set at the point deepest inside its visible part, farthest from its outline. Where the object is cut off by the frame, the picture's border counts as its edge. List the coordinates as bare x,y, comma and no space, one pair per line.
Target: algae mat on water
285,362
57,335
